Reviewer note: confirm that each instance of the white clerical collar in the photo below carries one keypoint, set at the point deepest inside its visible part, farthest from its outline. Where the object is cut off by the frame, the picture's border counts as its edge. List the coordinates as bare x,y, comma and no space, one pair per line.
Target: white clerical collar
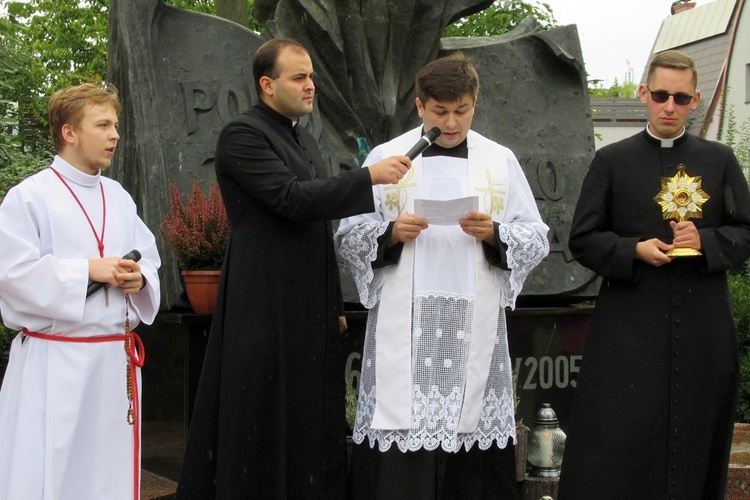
71,173
665,143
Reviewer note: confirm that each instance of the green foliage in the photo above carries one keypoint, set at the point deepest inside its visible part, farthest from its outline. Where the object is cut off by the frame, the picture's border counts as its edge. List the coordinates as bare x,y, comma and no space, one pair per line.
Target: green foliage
501,17
15,162
60,42
204,6
49,44
209,7
737,137
739,287
616,90
742,146
6,337
15,165
12,61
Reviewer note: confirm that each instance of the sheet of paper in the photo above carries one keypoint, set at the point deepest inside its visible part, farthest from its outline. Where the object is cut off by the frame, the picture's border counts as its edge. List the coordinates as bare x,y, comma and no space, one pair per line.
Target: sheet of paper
445,212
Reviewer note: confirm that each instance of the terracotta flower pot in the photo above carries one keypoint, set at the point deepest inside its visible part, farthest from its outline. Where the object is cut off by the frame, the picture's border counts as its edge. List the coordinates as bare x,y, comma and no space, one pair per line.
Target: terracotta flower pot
202,288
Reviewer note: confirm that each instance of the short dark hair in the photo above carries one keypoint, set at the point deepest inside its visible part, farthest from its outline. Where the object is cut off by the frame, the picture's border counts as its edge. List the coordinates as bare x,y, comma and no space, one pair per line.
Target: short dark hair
265,58
68,105
447,79
673,59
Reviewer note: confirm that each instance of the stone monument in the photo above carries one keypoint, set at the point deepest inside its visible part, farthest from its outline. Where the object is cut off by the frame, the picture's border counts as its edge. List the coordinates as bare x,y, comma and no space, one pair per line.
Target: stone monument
182,75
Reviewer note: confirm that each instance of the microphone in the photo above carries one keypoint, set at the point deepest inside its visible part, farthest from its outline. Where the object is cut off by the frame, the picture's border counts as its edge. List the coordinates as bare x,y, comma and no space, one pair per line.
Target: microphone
424,143
96,285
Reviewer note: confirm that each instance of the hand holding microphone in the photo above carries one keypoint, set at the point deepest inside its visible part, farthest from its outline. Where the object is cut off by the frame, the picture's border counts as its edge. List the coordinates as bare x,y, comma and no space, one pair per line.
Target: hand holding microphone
391,170
133,255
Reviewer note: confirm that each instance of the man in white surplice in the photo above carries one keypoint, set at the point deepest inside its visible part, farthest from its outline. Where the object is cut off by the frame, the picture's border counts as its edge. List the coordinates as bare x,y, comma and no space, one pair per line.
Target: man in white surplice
436,396
69,400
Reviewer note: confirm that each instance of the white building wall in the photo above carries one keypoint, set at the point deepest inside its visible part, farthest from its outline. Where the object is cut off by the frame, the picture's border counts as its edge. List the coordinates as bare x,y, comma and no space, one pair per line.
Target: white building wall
739,68
738,80
611,134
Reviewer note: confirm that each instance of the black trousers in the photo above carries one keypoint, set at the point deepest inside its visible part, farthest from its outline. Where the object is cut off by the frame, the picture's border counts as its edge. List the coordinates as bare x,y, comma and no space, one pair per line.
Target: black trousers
432,475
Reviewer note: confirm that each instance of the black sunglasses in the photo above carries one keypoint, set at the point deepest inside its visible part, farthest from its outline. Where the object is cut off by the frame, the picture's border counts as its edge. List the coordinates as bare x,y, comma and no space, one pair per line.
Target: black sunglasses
662,96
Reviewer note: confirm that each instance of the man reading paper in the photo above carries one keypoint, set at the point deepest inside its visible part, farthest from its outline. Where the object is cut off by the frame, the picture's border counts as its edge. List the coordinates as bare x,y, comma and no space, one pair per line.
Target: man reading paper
435,414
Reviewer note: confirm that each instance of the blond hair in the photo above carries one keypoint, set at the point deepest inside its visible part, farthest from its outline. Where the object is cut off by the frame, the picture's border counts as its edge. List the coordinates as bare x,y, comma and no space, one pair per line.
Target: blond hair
672,59
68,105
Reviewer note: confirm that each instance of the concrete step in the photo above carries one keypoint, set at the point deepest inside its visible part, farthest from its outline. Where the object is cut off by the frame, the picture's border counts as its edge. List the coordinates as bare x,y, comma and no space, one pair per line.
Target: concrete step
738,476
155,487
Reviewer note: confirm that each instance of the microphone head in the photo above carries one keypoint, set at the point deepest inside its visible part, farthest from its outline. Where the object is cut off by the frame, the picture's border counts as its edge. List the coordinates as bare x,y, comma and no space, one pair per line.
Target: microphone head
433,134
132,255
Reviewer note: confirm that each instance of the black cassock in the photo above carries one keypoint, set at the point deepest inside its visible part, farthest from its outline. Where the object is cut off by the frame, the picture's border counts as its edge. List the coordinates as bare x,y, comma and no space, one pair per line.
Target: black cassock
269,415
653,412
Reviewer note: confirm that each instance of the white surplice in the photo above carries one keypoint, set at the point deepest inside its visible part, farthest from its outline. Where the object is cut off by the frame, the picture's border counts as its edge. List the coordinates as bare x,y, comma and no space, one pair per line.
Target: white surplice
436,370
63,406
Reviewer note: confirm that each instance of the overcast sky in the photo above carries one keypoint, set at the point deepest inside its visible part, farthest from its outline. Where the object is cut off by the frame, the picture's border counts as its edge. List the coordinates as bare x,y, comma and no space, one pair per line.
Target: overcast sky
615,35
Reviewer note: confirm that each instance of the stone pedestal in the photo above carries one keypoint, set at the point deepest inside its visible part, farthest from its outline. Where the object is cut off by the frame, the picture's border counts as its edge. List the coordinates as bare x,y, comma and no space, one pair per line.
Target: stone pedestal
535,488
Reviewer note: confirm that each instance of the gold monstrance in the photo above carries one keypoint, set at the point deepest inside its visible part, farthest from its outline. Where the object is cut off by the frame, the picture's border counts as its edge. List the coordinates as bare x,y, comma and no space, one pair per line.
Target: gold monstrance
681,198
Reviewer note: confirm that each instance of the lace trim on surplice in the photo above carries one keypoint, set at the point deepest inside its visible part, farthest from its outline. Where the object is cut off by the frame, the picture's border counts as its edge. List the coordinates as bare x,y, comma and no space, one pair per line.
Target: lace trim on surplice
440,347
527,246
359,248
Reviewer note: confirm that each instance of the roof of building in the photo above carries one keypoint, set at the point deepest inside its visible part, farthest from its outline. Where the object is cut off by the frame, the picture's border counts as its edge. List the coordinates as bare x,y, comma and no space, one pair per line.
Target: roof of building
695,24
705,34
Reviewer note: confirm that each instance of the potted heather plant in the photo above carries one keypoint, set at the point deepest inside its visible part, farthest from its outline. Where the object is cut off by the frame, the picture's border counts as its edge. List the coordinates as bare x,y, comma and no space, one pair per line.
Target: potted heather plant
197,232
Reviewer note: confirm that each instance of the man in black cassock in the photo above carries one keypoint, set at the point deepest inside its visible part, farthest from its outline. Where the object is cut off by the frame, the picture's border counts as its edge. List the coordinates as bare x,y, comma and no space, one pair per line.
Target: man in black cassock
653,413
269,420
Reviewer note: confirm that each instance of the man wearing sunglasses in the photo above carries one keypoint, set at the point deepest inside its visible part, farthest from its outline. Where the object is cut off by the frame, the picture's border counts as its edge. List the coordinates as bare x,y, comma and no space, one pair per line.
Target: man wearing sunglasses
661,218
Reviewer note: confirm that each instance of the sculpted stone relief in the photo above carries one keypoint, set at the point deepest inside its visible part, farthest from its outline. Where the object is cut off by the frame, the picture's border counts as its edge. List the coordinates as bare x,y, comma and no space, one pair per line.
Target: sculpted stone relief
182,75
